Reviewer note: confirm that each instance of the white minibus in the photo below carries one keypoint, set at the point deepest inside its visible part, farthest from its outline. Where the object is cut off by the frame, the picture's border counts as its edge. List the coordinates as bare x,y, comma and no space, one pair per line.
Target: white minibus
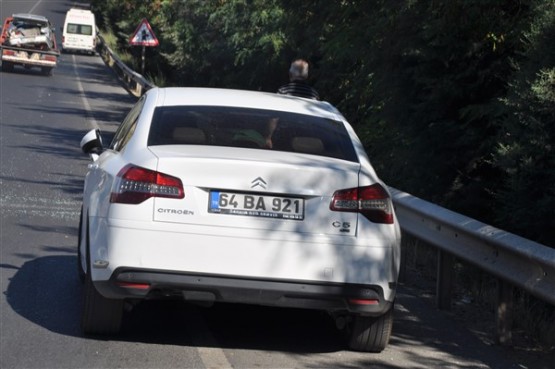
79,32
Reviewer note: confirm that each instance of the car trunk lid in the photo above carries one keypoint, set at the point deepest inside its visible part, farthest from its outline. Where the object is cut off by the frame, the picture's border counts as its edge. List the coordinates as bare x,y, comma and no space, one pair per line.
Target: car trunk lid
255,189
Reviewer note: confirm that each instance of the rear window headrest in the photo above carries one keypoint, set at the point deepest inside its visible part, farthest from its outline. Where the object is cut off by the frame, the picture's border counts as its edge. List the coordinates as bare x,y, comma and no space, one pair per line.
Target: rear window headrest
188,135
307,145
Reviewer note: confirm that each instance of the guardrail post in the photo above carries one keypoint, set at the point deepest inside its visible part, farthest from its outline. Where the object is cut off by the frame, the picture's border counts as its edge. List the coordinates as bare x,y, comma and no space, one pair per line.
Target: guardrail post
444,280
504,313
405,244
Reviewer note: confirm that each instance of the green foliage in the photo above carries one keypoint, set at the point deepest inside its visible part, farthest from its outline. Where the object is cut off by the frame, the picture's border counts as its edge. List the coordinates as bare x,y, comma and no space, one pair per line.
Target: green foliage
454,100
525,151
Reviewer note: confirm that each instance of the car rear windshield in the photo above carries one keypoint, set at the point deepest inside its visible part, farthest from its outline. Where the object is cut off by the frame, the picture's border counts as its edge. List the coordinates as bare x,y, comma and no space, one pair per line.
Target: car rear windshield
251,128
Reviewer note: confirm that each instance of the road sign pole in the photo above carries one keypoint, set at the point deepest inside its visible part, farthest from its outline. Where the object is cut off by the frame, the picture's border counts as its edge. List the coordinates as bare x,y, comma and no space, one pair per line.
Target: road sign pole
143,61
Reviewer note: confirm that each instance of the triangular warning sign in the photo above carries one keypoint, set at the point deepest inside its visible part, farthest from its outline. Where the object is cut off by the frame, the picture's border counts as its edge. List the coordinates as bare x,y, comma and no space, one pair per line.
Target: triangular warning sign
143,36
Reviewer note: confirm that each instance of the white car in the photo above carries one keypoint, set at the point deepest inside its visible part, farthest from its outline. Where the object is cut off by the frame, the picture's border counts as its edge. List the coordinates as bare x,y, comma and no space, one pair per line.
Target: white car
216,195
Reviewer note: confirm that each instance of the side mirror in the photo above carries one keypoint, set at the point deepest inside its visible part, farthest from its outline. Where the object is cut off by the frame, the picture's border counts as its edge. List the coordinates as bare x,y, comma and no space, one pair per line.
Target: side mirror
91,143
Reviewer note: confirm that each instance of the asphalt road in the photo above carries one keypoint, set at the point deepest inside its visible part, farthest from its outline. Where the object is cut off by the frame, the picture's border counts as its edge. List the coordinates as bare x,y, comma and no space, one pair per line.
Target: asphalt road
42,120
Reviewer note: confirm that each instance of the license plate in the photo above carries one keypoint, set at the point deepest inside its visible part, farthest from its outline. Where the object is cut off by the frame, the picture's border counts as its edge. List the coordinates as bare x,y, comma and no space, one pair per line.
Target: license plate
256,205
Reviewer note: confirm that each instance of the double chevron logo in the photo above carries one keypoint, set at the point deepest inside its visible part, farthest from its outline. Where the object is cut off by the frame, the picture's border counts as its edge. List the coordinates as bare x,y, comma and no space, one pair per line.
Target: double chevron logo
259,182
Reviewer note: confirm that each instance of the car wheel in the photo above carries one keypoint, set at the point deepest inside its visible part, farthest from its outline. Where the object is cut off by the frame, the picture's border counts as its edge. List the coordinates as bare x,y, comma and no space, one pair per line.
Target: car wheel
100,315
47,71
7,66
370,334
80,269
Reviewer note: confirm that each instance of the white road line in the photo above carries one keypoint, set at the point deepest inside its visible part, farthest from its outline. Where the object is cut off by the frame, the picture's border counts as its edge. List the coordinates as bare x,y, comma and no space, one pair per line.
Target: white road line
34,6
211,355
84,99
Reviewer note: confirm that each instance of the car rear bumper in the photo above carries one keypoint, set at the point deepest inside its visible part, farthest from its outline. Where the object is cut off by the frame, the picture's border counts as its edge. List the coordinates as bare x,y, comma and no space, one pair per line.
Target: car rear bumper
29,61
334,297
75,48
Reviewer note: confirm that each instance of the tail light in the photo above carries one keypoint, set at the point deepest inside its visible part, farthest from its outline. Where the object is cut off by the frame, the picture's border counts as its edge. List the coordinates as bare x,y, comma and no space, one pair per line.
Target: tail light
134,185
134,285
50,58
8,52
371,201
364,301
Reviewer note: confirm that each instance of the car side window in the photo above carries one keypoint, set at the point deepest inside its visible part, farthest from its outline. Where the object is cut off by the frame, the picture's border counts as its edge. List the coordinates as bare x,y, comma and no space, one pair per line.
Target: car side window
126,129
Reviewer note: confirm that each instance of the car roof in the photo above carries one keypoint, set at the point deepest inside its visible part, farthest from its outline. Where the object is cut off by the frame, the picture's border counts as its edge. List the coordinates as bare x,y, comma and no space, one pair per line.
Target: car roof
200,96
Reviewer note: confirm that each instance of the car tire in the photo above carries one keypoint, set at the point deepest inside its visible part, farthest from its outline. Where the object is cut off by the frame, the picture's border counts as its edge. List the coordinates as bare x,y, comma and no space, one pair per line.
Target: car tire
80,270
7,66
370,334
47,71
100,315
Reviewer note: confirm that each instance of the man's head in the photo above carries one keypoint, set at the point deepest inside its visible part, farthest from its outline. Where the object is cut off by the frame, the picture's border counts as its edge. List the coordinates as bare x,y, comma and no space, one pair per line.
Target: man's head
298,70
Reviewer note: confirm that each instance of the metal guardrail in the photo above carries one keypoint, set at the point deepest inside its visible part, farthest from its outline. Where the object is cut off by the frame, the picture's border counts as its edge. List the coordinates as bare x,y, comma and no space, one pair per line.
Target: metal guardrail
134,82
515,261
524,263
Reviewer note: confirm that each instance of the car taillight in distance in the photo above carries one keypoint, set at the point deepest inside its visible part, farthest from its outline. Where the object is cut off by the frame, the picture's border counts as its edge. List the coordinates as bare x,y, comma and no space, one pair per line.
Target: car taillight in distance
135,184
371,201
